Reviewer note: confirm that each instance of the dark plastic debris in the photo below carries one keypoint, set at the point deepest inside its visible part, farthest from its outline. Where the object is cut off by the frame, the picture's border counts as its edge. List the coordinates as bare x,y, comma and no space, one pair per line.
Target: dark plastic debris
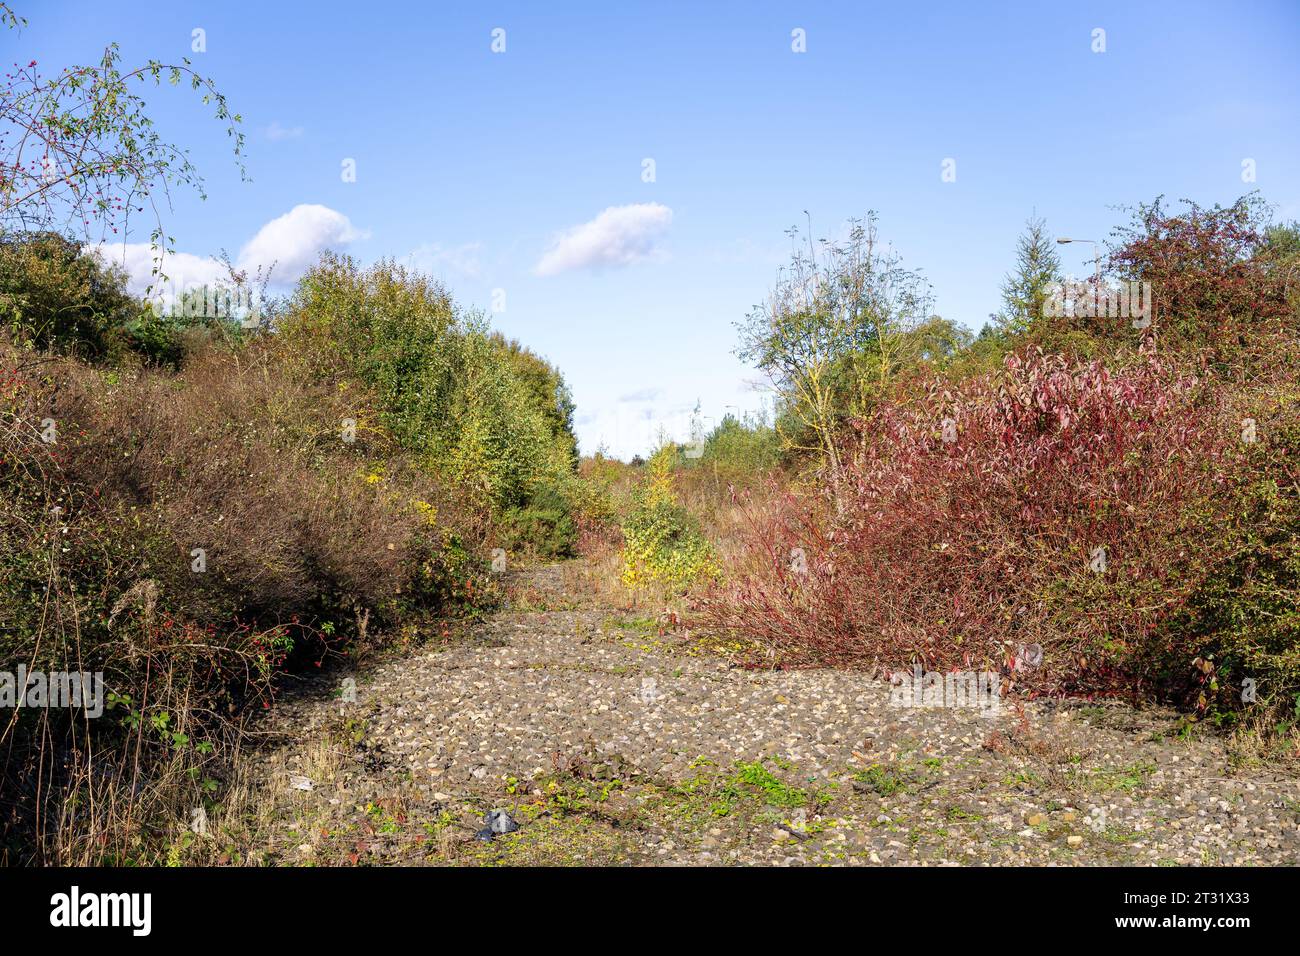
498,822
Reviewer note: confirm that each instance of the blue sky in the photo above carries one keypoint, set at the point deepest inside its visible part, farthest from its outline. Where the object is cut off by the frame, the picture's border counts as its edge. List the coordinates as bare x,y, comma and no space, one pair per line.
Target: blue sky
475,164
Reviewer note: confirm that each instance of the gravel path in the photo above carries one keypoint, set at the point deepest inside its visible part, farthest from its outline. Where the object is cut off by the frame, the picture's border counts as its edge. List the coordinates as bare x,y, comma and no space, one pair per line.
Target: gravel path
611,742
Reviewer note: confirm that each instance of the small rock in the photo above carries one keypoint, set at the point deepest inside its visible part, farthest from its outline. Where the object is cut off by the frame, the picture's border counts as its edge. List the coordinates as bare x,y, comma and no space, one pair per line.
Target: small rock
1074,840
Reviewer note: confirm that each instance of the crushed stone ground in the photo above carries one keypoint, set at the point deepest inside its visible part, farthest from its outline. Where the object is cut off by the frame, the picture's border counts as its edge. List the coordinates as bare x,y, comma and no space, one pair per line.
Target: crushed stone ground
612,740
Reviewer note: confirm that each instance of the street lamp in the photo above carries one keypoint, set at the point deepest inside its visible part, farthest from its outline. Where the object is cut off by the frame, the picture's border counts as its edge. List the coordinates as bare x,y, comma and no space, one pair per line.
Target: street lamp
1096,254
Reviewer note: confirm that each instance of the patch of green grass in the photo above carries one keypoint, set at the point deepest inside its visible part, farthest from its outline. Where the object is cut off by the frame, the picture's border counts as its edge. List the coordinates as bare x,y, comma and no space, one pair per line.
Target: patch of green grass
1125,779
1118,835
382,820
572,795
439,823
645,625
752,784
775,791
554,840
1023,779
882,781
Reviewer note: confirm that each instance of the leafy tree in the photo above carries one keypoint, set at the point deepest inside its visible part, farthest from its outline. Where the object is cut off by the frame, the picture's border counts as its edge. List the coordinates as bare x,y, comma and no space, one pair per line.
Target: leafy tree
1281,252
853,298
79,154
740,450
550,392
1282,241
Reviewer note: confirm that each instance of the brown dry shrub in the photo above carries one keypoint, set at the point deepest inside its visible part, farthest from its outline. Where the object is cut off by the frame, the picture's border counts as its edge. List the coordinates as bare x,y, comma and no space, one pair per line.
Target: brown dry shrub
309,541
230,458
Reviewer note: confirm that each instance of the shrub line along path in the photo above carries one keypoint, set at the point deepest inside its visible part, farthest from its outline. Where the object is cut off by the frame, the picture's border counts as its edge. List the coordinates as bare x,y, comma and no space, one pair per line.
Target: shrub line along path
612,739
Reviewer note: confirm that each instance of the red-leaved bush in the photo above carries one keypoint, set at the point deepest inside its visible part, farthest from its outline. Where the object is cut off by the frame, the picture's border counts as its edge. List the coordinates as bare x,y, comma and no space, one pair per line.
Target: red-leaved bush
1214,279
1204,265
1077,507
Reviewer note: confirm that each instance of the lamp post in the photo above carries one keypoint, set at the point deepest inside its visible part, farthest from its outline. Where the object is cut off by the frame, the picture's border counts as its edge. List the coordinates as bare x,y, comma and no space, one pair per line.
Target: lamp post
1096,255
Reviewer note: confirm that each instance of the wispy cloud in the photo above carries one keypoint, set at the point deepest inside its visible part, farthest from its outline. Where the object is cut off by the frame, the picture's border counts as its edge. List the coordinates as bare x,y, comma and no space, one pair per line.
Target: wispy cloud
643,395
435,258
619,236
277,132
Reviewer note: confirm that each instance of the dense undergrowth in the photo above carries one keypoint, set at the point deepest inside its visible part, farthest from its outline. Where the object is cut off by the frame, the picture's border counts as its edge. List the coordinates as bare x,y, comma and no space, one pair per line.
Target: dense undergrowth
196,513
1114,517
1121,495
197,504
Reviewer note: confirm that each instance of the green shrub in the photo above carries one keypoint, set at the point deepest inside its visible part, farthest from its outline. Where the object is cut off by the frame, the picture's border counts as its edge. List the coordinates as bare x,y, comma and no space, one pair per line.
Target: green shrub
1244,614
54,296
739,451
662,542
475,409
544,526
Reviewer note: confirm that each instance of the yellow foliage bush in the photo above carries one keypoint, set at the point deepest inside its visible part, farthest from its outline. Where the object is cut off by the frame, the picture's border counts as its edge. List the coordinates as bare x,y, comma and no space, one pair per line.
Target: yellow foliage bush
661,542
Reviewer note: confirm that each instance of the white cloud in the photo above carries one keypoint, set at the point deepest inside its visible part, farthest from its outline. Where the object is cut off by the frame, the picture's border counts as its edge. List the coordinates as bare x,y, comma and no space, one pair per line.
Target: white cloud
619,236
182,269
292,243
276,132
